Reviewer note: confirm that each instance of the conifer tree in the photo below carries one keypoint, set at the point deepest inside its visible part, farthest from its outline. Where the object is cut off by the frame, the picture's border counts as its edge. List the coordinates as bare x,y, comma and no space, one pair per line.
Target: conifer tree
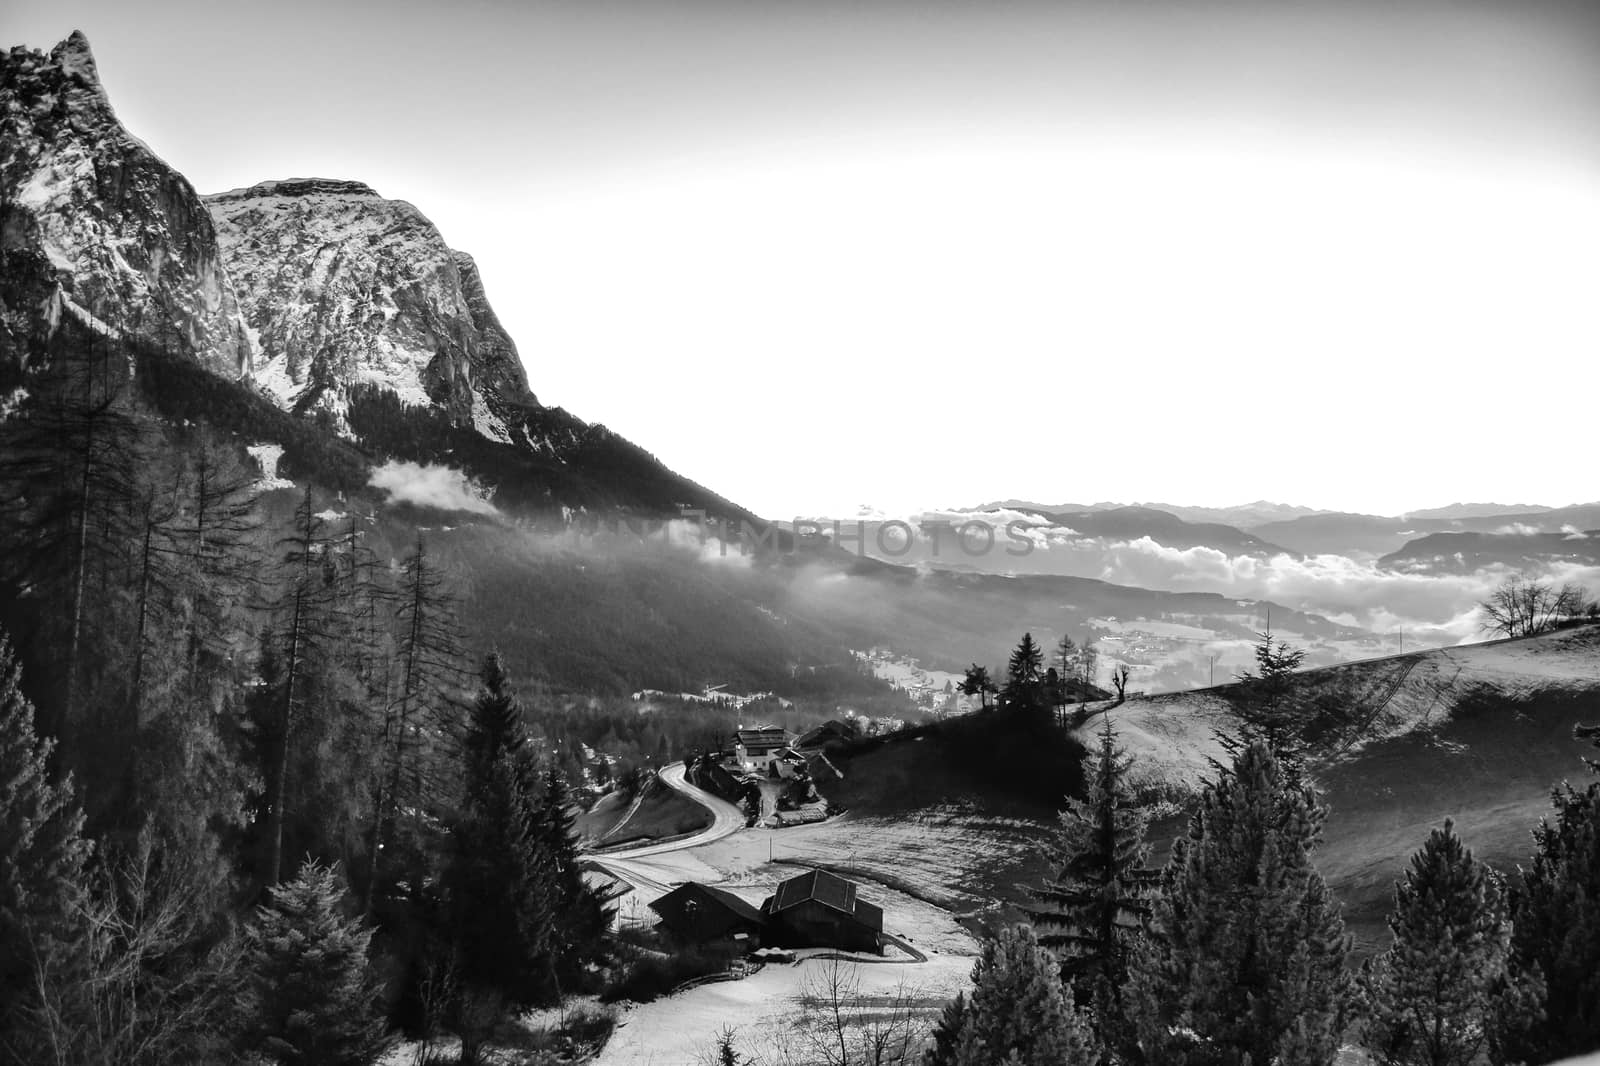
582,913
1556,928
1019,1011
1095,905
947,1033
1026,662
418,727
300,640
1024,687
500,883
42,857
977,683
1435,997
1266,708
312,999
1245,956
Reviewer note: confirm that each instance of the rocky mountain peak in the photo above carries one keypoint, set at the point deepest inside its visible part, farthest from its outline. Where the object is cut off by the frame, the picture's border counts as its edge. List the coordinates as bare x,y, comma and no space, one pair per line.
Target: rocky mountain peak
94,225
342,287
297,187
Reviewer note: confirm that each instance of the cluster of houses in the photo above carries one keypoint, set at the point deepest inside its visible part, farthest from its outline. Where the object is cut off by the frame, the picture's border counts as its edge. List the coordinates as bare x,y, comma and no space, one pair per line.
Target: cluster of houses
814,910
770,751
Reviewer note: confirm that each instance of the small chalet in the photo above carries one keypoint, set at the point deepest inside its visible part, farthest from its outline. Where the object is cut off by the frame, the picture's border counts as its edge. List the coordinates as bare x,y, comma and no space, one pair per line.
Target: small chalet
699,914
818,909
755,749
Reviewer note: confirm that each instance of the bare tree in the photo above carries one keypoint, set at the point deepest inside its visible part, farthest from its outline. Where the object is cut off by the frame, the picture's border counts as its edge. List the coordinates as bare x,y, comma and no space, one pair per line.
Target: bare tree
842,1027
1523,608
1119,681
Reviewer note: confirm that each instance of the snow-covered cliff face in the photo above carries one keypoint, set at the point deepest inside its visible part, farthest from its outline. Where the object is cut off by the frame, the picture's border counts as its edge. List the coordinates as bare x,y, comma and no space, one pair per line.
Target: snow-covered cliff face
341,286
94,225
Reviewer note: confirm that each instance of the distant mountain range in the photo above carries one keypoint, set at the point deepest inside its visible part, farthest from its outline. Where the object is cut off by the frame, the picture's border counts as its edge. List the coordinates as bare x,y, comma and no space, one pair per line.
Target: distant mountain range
1262,512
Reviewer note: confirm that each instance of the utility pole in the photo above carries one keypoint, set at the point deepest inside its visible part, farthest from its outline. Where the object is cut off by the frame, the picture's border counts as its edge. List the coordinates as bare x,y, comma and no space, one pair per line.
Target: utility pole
1213,671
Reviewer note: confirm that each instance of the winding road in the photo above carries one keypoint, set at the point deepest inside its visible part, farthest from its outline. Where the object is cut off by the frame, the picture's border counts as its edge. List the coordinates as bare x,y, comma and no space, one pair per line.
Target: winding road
622,864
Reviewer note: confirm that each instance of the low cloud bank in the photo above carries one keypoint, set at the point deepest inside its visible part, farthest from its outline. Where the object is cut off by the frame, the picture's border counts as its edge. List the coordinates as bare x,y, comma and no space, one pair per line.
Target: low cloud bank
1345,590
431,486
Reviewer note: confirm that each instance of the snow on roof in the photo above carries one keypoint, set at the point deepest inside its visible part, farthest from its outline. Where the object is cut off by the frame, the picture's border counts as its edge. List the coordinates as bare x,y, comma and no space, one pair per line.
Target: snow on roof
825,888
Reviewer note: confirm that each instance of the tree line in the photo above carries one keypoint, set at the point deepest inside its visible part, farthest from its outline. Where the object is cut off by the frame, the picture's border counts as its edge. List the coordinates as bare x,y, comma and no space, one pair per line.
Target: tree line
250,809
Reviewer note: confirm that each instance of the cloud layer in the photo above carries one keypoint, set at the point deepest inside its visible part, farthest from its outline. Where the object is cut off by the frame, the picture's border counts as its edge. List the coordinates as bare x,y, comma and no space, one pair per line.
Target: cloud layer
431,486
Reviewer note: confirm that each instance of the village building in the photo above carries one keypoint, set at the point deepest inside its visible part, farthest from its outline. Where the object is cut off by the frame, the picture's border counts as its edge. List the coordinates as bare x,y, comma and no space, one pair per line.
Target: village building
699,914
828,732
818,909
755,750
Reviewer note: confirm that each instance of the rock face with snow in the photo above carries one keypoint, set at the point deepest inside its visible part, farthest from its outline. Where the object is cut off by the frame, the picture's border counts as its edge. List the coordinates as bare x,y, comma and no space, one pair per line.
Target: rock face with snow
94,225
342,287
308,288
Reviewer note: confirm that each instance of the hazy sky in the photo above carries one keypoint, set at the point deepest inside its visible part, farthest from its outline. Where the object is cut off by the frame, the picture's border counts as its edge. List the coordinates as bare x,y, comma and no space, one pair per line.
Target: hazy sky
817,253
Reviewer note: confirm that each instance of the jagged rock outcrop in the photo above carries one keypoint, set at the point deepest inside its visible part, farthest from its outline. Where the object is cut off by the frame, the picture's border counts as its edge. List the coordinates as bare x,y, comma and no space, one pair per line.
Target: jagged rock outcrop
309,288
93,224
341,286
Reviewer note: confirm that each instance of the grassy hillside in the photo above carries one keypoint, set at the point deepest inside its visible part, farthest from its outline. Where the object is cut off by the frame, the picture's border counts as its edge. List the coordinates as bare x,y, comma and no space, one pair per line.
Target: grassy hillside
1478,733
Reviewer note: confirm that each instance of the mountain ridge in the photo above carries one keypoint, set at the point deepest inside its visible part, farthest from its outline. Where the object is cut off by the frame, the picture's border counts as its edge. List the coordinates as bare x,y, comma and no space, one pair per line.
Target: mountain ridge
305,290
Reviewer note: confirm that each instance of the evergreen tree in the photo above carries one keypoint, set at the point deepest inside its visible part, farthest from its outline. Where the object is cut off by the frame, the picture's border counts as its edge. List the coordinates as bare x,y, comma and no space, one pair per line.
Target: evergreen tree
300,642
418,726
977,683
1556,928
67,467
1095,905
1245,957
42,857
1026,663
582,912
1434,998
1266,706
1019,1011
500,881
312,999
947,1033
1024,687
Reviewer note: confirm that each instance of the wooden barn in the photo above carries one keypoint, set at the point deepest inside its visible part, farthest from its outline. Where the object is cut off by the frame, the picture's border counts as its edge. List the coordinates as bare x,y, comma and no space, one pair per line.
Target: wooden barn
700,914
818,909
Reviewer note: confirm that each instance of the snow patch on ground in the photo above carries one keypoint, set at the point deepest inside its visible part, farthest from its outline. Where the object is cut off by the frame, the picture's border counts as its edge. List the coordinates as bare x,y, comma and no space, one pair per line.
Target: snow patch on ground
776,1007
267,455
10,402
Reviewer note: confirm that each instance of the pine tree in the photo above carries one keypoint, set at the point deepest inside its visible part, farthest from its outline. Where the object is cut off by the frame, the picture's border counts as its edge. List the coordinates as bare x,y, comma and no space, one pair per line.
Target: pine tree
500,882
947,1033
1245,957
582,913
1026,662
67,464
303,632
1434,998
312,1000
42,857
1266,707
1556,928
1094,906
418,726
977,683
1019,1011
1024,687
